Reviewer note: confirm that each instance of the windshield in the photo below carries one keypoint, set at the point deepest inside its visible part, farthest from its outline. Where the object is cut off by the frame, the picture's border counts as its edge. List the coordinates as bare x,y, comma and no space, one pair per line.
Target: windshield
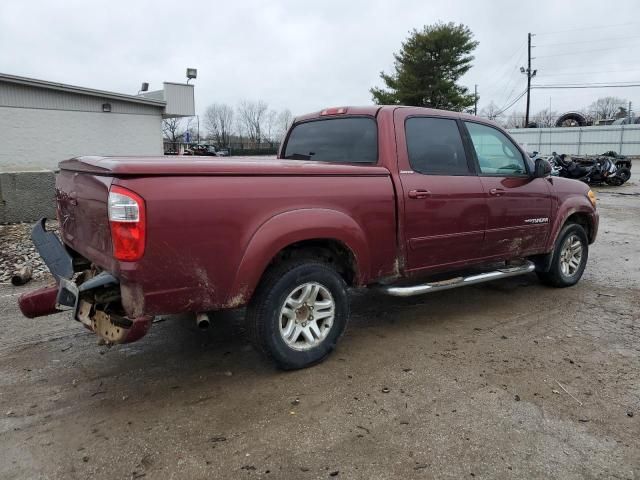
339,140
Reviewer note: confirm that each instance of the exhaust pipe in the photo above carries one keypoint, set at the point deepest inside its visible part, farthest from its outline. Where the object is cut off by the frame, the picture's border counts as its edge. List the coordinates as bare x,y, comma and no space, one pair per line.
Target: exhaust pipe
39,302
202,320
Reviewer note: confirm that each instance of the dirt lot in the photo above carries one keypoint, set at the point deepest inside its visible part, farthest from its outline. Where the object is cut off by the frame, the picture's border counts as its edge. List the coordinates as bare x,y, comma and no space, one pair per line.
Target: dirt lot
503,380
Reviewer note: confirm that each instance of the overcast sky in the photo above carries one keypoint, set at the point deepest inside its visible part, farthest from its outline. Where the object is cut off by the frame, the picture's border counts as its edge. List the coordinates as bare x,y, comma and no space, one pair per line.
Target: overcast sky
309,55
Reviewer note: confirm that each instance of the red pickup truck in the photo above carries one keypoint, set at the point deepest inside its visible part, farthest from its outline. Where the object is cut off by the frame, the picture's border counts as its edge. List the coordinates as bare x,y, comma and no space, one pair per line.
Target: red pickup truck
401,199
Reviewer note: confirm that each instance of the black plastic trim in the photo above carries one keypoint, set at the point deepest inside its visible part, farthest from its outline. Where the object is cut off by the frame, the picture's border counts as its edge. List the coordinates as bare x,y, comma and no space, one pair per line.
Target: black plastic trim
50,248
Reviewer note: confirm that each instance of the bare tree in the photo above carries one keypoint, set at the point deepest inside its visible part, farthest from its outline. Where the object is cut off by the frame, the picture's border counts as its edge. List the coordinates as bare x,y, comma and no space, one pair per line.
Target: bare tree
607,107
218,120
283,122
491,111
270,125
514,120
172,129
251,116
239,129
545,118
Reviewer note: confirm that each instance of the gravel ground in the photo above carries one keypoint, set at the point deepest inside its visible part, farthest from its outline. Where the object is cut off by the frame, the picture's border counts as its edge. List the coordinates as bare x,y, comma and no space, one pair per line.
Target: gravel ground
17,250
509,379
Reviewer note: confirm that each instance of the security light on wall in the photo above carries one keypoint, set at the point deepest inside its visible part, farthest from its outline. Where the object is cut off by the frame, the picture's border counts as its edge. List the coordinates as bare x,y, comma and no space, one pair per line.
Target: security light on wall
144,87
191,73
106,107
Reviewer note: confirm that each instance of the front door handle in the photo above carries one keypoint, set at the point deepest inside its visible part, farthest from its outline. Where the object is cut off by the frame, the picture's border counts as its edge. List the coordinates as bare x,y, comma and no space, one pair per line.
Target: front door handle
496,192
419,193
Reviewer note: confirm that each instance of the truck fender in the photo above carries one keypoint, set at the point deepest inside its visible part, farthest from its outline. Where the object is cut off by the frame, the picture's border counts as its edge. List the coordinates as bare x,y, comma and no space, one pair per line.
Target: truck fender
291,227
565,210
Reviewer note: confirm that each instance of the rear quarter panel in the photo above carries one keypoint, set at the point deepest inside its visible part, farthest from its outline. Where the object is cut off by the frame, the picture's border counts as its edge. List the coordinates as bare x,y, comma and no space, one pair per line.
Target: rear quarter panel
209,238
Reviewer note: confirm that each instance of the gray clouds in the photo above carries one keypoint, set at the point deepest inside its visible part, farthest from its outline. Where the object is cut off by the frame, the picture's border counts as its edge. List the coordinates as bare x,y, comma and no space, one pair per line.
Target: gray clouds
306,56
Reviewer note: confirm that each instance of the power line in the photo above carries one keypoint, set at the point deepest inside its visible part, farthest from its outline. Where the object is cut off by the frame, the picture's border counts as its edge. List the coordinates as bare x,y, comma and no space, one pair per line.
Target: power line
596,27
543,87
564,66
587,41
502,110
583,51
504,107
587,73
513,80
505,71
596,83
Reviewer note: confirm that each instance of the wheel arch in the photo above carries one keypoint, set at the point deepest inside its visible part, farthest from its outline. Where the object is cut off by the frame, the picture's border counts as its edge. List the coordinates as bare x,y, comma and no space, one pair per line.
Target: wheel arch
578,211
325,233
582,218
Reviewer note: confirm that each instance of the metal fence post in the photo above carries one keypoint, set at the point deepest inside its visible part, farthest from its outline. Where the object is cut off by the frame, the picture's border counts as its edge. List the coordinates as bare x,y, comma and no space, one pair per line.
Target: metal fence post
579,139
540,141
621,138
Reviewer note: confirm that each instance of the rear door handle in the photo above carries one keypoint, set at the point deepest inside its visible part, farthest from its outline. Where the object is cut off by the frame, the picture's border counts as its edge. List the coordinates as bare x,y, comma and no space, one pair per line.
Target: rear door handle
419,193
496,192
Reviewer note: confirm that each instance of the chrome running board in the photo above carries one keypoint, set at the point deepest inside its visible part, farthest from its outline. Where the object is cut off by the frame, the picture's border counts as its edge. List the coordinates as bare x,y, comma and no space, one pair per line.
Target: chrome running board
456,282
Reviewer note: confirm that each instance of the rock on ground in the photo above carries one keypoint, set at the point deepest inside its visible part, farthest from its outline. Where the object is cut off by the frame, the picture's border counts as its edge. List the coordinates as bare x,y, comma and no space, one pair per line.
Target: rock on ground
17,250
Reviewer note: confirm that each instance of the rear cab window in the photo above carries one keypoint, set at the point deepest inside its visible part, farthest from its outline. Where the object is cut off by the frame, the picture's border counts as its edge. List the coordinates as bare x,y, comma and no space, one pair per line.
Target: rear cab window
338,140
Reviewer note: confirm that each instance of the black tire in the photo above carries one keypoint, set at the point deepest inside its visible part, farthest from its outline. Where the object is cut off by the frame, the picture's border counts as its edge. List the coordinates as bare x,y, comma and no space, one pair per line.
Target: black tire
555,277
622,176
264,311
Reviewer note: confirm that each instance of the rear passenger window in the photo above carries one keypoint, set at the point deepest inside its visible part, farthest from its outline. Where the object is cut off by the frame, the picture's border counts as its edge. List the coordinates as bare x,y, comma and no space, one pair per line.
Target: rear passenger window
435,146
340,140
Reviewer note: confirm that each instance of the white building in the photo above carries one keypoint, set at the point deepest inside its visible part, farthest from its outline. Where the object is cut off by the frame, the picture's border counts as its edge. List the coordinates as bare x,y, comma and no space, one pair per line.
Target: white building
42,123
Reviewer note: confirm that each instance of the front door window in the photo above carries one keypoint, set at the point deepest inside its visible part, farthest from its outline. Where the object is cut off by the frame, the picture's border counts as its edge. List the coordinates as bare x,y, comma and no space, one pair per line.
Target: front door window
497,155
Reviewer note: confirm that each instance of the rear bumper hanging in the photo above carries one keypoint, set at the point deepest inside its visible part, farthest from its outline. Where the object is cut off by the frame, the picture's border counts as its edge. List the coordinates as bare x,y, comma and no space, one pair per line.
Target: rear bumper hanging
67,294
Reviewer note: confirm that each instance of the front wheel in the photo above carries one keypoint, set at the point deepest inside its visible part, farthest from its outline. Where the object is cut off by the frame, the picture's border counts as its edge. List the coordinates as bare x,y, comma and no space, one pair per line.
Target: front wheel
621,177
298,312
569,257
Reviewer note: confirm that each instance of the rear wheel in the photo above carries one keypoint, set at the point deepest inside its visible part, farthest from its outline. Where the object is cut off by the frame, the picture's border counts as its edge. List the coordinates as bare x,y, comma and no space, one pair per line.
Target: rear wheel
569,257
298,312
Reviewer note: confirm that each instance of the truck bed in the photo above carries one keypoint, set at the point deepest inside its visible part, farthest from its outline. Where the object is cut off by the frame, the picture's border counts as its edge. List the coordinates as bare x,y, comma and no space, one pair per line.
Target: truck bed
203,215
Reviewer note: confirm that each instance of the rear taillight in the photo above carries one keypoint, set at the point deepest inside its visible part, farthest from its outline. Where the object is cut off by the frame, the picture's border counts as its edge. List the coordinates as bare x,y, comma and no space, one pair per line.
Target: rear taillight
128,224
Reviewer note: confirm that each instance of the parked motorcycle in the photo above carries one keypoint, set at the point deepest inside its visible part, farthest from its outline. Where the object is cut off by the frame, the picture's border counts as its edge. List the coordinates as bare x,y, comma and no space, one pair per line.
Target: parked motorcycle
555,169
592,171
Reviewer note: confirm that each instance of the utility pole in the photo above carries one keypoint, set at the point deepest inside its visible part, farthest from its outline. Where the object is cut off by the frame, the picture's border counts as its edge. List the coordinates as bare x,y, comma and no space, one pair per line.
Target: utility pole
530,74
475,100
629,114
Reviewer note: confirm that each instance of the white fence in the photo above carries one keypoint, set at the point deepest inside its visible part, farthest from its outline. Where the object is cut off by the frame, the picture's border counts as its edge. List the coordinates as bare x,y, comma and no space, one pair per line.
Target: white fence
624,139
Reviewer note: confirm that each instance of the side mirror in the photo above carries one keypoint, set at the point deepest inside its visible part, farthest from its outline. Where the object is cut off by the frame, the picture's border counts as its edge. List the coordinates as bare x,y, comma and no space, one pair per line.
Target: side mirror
542,168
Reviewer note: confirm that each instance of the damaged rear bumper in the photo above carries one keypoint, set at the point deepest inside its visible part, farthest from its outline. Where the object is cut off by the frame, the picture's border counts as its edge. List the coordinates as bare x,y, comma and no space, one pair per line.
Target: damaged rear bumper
95,302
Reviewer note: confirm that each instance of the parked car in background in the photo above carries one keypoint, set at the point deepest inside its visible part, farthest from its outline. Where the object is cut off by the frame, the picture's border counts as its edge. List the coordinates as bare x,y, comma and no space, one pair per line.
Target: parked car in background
204,150
402,200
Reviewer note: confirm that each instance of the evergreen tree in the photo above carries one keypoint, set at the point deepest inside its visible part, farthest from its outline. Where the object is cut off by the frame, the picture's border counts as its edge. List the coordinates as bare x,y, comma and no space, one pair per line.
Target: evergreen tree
427,68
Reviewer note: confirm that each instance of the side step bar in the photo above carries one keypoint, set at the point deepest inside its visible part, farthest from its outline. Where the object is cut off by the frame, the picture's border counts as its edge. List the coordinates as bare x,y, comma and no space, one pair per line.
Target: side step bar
458,281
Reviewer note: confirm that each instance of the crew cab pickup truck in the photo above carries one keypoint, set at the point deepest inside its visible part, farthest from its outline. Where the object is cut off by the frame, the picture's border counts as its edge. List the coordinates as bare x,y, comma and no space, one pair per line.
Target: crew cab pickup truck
402,200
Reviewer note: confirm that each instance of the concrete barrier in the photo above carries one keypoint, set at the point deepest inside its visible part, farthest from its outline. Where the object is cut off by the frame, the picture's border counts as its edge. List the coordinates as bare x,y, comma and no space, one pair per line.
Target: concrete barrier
27,196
